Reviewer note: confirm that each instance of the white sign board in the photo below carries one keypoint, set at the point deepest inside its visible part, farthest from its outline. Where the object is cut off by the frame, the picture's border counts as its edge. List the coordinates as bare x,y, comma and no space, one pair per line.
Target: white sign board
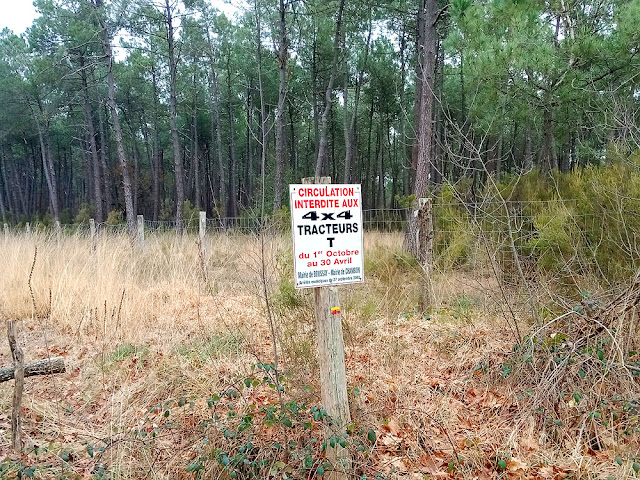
327,234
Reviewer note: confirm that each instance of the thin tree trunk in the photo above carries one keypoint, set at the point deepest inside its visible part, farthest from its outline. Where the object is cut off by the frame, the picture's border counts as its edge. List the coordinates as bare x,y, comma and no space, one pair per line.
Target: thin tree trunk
381,199
438,151
156,166
548,160
117,129
528,150
348,148
11,178
128,118
232,204
148,147
106,177
499,154
53,187
248,179
314,87
47,164
420,41
136,167
196,155
365,193
91,136
3,209
351,144
293,156
283,58
321,161
173,115
12,207
215,123
406,165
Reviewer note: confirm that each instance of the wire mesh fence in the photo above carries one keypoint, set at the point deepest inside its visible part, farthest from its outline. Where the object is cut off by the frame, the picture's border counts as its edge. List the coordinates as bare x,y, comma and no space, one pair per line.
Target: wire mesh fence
555,234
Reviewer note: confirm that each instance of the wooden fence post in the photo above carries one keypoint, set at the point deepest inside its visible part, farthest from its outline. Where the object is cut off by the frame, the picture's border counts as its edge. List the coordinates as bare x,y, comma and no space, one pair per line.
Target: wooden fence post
18,363
92,230
27,228
58,229
333,375
424,245
202,233
6,231
140,236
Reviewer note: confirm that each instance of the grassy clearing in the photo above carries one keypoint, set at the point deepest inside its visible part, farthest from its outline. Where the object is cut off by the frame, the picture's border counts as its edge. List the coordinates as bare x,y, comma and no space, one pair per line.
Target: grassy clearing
169,369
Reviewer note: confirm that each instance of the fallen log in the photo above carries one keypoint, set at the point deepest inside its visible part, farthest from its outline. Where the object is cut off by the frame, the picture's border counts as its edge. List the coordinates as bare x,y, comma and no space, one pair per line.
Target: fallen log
47,366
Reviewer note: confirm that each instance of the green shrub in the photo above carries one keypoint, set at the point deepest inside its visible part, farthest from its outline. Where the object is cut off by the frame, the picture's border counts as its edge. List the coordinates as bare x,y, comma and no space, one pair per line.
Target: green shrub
191,215
85,213
115,217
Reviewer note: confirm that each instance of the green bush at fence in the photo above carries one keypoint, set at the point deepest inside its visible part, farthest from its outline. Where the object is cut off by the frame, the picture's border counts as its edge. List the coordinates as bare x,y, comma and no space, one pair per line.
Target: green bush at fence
583,222
85,213
115,217
453,226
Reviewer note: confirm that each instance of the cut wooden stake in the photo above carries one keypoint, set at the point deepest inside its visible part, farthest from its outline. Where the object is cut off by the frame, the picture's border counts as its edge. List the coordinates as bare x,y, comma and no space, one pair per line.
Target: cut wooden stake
92,229
27,228
6,231
47,366
202,233
333,376
140,236
18,363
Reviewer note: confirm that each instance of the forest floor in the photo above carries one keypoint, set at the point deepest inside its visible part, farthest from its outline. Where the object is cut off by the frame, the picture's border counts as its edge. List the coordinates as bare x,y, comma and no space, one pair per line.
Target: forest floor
155,341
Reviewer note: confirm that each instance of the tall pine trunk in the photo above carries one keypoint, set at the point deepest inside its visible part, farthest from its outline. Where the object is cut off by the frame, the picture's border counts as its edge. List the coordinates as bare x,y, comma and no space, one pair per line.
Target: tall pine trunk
93,150
117,129
321,160
283,57
216,127
3,208
156,165
425,127
196,156
232,203
350,135
173,115
47,162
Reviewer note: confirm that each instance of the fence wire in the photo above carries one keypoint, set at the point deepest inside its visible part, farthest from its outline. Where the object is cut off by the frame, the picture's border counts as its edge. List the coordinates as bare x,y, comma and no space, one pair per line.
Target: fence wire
549,233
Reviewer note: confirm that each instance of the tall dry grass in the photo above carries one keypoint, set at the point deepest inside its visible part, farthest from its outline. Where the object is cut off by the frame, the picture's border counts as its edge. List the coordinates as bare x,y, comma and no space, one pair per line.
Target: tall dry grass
142,328
118,286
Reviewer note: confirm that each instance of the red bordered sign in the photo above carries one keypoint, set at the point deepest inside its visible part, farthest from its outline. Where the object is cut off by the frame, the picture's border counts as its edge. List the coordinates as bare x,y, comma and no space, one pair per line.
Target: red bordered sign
326,222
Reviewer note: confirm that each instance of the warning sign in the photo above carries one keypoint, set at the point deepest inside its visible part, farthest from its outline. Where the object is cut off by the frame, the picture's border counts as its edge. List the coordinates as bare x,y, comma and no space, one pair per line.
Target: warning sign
327,235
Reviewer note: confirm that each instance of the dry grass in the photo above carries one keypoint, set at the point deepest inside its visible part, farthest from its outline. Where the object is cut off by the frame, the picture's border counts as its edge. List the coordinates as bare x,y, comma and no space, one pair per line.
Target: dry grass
144,328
